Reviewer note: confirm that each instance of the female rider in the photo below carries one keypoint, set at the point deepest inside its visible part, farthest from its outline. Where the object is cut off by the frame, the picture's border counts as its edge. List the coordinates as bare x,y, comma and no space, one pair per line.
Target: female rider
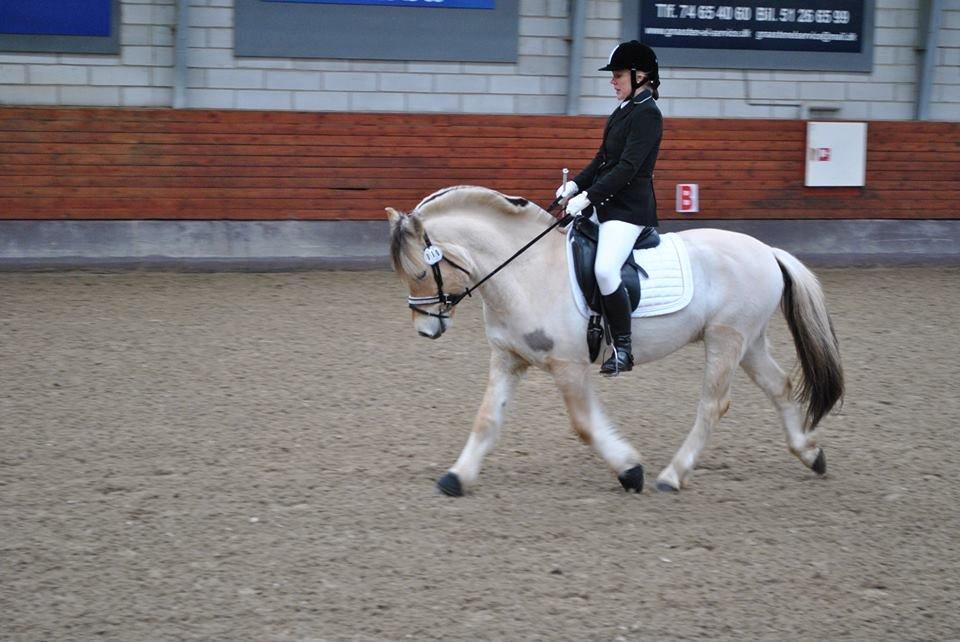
618,185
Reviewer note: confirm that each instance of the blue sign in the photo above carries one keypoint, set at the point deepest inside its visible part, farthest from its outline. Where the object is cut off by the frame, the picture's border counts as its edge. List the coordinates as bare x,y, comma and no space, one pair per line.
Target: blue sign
834,26
56,17
446,4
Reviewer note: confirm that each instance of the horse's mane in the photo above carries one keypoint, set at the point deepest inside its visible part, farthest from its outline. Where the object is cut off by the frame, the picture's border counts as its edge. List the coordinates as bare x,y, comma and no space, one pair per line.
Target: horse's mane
474,195
404,236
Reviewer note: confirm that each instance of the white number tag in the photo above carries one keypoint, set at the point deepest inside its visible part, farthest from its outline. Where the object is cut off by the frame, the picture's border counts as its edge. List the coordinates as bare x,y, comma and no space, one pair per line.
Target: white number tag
432,255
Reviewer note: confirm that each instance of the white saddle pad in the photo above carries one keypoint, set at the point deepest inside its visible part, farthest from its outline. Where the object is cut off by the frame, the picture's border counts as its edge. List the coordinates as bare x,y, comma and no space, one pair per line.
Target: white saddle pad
669,288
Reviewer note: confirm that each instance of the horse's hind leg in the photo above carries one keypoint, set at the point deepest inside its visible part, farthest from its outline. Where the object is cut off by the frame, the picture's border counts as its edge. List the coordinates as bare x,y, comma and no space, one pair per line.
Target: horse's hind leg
591,424
724,346
767,374
505,373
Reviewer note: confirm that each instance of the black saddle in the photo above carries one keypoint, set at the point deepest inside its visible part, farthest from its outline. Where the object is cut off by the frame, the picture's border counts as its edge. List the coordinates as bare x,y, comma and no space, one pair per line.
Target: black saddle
583,239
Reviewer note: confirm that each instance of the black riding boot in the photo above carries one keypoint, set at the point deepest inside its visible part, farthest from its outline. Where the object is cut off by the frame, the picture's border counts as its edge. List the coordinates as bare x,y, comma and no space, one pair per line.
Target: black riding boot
616,307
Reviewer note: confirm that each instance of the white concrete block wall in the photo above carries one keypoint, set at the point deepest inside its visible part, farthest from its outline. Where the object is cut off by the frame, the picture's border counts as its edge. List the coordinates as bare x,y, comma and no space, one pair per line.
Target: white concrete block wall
535,84
142,74
945,103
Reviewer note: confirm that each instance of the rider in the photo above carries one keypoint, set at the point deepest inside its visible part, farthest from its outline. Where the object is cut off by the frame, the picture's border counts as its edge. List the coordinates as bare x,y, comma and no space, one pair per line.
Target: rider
618,185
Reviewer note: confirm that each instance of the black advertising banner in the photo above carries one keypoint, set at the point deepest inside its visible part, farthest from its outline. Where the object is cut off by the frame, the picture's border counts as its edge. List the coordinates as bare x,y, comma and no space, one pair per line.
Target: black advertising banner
832,26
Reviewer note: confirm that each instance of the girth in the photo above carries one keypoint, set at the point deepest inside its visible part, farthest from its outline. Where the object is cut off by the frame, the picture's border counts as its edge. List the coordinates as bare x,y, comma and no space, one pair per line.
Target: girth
583,240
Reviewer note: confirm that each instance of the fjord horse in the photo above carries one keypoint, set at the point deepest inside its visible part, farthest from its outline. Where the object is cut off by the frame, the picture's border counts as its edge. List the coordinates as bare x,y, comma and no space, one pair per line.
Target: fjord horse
456,236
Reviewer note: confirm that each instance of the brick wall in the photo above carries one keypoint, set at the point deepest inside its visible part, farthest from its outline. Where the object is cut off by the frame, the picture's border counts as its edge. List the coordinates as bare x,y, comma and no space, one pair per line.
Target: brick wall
135,164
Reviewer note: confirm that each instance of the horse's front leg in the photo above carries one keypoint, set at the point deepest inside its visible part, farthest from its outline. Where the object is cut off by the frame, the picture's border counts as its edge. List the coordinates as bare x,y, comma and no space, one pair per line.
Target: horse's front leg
593,426
505,373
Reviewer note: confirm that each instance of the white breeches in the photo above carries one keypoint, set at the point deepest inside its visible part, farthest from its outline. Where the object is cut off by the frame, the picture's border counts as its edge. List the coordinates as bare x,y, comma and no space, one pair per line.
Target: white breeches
614,245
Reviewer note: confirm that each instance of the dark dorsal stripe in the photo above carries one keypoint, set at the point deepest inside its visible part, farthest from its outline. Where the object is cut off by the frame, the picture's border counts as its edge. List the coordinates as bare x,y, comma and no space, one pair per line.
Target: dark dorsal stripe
516,201
438,195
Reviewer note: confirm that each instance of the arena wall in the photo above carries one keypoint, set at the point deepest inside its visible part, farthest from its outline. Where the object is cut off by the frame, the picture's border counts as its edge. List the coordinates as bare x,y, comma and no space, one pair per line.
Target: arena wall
288,186
166,164
287,161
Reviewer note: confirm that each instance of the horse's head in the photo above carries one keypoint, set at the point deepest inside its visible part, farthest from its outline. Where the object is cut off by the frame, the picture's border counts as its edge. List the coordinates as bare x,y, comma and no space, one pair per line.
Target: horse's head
436,274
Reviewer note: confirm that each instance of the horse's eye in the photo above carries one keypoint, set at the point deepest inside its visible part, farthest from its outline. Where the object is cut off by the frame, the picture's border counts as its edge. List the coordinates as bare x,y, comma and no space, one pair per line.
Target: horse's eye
421,276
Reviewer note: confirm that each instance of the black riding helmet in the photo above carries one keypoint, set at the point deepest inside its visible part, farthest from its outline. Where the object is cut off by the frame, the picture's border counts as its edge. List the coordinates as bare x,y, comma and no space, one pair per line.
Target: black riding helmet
635,56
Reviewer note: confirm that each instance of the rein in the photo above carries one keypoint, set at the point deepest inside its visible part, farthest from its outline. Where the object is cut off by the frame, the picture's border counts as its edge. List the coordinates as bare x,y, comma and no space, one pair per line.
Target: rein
434,255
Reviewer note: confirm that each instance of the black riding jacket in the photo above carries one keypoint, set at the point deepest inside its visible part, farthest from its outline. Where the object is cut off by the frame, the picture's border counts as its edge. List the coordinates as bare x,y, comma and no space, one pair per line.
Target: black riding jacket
619,180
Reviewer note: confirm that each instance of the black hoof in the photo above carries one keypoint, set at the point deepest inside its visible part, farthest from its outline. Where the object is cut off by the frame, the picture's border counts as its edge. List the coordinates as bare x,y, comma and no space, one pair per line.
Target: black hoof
450,486
820,464
632,479
664,487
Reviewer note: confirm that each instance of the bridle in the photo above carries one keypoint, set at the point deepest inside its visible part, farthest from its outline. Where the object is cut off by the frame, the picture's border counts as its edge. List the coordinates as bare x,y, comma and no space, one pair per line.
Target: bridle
433,255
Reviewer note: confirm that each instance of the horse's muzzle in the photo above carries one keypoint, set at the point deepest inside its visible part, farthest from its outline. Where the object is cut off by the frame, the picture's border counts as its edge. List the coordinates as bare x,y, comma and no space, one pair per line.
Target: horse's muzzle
434,331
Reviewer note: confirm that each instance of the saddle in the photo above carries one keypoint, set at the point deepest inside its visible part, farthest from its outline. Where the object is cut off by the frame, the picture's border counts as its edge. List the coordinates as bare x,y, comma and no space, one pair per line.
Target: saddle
583,241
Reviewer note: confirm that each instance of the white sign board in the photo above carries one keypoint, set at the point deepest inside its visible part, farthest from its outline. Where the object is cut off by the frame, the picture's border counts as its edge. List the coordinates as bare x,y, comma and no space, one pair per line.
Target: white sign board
836,154
688,198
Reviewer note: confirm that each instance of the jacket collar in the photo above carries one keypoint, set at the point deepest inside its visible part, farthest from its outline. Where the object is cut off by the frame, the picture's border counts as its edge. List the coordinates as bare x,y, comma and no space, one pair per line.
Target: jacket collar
626,107
642,97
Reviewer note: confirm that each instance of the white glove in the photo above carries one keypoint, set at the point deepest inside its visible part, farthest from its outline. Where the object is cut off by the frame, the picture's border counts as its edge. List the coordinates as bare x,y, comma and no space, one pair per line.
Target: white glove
577,204
567,190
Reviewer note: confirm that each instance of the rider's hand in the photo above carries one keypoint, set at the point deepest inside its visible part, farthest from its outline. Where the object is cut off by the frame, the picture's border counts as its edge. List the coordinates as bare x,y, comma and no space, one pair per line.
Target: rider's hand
567,190
577,204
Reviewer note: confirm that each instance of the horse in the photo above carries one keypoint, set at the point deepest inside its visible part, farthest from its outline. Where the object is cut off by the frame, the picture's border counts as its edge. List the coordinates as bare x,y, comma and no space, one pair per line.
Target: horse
455,236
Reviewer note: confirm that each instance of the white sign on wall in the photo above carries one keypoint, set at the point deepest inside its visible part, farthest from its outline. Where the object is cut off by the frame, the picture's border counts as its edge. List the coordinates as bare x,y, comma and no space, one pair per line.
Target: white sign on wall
836,154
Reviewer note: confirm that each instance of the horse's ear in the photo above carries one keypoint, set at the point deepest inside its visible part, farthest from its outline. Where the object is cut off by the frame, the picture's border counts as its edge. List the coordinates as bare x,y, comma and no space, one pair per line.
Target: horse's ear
394,216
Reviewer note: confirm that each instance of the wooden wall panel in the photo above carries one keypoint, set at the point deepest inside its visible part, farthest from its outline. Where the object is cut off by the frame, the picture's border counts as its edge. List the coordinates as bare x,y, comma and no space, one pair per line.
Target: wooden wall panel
77,163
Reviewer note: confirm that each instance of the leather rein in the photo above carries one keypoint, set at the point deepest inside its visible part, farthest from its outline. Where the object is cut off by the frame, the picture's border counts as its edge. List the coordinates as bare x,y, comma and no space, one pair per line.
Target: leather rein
433,255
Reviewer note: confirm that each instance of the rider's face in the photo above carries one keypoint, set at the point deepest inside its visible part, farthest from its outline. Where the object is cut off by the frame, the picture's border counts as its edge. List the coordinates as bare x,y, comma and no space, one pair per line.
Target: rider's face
621,83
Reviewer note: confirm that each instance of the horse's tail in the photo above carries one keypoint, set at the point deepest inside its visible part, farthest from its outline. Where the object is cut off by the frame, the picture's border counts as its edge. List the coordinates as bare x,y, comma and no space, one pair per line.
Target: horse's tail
818,352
